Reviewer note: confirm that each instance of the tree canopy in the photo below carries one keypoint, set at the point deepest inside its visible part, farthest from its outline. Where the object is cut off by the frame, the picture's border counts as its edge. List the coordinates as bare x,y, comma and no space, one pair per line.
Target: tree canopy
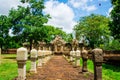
115,22
94,29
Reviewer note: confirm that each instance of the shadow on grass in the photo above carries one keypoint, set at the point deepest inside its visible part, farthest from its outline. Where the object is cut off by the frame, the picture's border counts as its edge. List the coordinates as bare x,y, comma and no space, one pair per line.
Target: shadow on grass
9,58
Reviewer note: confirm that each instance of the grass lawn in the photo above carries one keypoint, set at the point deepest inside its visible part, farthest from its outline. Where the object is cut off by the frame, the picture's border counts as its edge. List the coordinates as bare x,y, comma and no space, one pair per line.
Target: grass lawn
8,67
109,72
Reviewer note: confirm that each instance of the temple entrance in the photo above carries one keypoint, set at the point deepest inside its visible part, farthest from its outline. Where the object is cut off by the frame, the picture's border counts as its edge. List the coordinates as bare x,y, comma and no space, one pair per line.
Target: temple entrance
58,45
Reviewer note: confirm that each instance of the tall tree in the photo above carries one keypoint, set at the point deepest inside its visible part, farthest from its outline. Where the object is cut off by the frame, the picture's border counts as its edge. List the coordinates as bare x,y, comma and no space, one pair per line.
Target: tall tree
115,22
28,21
93,28
4,30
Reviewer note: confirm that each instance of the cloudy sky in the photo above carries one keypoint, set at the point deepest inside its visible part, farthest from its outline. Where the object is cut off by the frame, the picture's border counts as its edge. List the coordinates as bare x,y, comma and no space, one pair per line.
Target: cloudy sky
65,13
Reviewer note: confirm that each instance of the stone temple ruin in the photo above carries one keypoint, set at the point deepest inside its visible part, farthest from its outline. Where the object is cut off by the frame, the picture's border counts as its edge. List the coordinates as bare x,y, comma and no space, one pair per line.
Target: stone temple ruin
71,51
58,45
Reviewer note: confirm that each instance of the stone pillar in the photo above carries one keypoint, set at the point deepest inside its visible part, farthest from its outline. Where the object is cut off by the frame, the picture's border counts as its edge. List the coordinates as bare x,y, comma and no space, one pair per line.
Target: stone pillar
21,61
74,57
40,58
97,59
43,56
55,48
71,57
61,48
33,60
84,59
78,55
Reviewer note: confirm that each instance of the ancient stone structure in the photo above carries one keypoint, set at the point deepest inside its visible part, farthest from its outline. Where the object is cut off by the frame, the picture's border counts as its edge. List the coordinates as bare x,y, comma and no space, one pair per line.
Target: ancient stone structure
58,44
74,57
71,57
40,58
75,44
33,60
84,58
42,45
21,61
97,59
78,55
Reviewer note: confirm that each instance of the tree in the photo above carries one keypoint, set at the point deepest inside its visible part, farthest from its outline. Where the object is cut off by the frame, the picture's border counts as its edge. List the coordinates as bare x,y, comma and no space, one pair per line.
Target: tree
28,22
52,31
94,29
115,22
4,30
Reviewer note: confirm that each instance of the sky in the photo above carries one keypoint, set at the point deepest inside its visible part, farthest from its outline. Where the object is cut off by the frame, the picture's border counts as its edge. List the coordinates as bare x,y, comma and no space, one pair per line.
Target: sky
65,13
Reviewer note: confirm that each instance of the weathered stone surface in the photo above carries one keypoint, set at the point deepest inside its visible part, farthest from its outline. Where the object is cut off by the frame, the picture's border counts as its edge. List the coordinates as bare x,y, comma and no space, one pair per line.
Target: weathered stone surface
71,57
84,54
58,44
40,53
77,61
34,53
84,59
33,60
97,59
40,58
21,70
22,53
21,61
97,55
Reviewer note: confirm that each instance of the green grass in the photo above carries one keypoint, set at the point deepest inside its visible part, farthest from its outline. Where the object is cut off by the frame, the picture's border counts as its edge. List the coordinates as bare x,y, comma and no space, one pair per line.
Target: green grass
109,72
8,67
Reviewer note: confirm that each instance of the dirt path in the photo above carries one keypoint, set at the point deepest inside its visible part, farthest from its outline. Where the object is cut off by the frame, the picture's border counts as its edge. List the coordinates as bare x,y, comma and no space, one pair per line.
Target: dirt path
59,69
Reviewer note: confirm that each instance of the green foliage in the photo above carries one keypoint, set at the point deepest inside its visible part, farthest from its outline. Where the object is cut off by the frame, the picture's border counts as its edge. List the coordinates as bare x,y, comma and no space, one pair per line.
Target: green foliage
4,29
112,45
51,32
115,22
28,22
94,28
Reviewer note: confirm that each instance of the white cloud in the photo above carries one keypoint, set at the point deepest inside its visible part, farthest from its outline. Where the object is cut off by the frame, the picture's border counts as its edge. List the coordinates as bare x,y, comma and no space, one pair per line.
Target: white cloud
6,5
108,13
103,0
82,4
90,8
62,15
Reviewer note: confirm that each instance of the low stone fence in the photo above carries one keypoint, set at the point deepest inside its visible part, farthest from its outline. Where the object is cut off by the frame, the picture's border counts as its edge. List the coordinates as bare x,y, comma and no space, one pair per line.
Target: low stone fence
96,55
22,55
111,55
9,51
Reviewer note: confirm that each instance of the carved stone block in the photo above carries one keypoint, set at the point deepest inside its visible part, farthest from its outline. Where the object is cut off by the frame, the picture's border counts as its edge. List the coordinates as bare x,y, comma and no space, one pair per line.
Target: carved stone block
97,55
33,53
22,53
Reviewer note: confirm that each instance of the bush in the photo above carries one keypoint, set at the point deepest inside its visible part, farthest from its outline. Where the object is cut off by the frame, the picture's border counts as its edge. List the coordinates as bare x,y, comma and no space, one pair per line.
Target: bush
113,45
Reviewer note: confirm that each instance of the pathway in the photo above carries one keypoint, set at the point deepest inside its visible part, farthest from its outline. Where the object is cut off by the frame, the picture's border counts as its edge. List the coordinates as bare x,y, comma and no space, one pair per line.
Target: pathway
59,69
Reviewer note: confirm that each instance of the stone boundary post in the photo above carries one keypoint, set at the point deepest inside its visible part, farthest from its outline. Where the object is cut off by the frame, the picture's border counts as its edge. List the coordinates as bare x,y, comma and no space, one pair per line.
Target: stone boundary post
84,59
78,55
21,61
33,60
71,57
97,59
40,58
74,58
